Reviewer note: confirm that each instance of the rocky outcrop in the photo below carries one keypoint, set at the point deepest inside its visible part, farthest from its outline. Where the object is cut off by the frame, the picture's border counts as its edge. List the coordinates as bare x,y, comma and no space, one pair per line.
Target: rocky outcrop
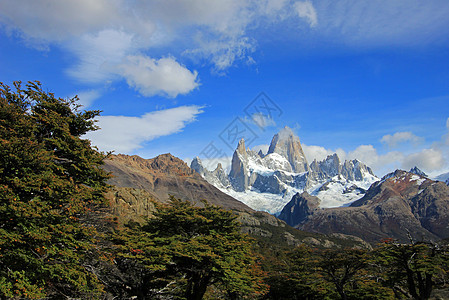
401,205
130,204
299,209
271,230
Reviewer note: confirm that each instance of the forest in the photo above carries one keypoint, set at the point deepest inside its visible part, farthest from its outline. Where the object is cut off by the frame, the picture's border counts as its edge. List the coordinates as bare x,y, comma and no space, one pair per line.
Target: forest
58,241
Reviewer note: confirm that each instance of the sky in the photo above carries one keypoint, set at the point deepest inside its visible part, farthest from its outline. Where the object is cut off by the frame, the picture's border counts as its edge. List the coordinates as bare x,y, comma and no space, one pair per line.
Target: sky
367,79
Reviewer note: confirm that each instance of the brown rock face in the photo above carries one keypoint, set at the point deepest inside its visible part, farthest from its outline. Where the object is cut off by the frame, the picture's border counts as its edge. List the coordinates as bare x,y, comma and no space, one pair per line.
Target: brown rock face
166,175
299,208
400,205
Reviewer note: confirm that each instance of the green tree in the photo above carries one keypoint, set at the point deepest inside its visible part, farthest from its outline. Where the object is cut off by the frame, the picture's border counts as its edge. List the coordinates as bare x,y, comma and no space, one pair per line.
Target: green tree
413,270
49,176
348,270
192,248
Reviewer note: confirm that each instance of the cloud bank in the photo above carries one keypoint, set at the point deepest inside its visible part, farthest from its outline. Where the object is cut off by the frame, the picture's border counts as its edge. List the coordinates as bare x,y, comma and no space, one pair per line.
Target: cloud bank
112,39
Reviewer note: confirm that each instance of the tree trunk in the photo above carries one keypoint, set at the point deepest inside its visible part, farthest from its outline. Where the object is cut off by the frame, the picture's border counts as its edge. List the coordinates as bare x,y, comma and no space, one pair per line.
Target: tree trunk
196,287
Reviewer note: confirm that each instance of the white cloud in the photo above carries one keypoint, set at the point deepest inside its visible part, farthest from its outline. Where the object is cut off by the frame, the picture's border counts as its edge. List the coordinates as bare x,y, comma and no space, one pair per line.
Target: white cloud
428,159
364,153
316,152
158,77
261,120
380,163
87,97
53,20
307,11
211,164
126,134
101,33
98,54
400,137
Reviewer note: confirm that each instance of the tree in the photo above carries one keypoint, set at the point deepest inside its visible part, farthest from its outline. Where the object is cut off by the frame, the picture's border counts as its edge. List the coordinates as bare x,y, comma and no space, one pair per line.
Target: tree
413,270
192,248
49,176
348,271
297,278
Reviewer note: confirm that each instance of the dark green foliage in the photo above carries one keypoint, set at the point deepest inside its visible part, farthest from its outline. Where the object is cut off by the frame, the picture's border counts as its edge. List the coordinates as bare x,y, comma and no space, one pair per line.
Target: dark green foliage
49,177
186,250
413,270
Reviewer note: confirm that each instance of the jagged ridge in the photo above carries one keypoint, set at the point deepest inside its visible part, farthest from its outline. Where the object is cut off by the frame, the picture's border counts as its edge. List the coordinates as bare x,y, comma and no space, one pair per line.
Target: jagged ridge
284,171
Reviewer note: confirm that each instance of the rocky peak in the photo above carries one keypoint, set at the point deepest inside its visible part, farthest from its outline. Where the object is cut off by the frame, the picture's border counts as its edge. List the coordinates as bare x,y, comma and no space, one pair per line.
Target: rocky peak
330,167
164,163
197,165
169,164
241,149
417,171
238,175
355,170
299,208
287,144
218,168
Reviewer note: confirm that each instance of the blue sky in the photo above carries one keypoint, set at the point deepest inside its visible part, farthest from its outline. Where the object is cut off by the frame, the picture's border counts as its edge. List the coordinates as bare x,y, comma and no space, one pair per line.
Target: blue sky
365,79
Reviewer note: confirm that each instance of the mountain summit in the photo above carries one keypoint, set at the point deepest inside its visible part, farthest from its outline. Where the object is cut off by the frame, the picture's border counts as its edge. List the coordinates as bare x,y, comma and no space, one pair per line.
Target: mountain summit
287,144
268,182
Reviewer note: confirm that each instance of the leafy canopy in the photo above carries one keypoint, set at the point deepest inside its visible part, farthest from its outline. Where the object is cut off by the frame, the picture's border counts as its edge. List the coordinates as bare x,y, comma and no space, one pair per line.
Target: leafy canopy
193,248
49,176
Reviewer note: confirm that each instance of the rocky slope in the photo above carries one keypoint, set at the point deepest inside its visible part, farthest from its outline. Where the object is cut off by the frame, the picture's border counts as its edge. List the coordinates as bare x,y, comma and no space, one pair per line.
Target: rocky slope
268,182
401,205
166,175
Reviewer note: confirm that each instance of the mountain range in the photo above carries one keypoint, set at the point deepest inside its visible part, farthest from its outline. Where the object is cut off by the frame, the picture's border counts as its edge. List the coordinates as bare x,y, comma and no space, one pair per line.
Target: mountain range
269,181
332,203
138,184
334,197
402,205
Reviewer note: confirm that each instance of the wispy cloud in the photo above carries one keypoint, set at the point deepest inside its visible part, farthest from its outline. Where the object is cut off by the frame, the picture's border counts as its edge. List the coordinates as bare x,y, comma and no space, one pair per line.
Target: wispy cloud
401,137
87,97
367,24
306,10
261,120
124,134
